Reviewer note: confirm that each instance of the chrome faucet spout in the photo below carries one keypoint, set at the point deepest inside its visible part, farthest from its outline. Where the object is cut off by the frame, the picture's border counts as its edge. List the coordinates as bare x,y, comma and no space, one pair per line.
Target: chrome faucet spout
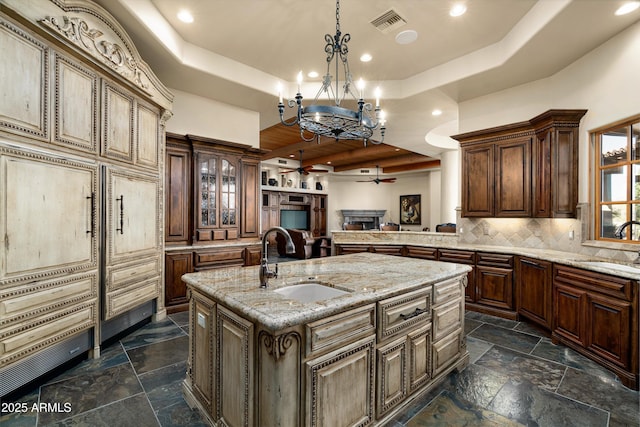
265,272
621,227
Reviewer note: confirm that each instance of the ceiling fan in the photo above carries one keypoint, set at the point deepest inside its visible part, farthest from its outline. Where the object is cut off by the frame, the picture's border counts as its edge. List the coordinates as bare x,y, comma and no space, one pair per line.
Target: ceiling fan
306,169
378,180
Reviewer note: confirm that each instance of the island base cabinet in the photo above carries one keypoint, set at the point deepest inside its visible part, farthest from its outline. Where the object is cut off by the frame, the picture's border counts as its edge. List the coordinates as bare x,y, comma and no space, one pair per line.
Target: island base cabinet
234,386
340,387
202,324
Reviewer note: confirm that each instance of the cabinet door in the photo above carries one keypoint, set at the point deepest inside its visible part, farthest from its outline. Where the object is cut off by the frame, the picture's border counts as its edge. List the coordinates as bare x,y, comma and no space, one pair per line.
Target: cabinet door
177,190
568,312
463,257
319,215
419,357
478,181
132,240
117,123
609,329
494,286
513,178
533,291
75,106
24,85
340,387
216,193
176,265
250,221
147,135
203,351
392,375
235,367
49,216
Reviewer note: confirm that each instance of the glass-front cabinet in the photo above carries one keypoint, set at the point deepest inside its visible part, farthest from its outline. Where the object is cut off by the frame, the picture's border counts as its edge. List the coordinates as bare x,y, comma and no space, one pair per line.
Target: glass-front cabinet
216,178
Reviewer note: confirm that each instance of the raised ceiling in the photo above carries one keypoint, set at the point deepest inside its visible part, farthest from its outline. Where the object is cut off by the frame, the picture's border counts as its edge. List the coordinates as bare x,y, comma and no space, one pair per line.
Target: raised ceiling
237,51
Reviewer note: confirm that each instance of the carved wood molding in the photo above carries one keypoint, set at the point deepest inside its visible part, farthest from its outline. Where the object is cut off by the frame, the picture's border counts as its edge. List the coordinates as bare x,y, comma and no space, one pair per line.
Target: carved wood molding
77,31
278,345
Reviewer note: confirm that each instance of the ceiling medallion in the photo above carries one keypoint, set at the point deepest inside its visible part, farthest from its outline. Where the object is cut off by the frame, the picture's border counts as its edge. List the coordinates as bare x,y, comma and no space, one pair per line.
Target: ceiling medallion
333,120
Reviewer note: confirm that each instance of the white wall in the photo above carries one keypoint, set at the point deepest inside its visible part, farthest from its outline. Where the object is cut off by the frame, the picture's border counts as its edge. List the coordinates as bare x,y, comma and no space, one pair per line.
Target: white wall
605,81
205,117
345,193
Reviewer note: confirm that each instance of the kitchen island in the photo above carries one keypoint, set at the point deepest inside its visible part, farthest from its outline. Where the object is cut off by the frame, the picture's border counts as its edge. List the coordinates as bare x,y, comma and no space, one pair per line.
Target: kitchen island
336,341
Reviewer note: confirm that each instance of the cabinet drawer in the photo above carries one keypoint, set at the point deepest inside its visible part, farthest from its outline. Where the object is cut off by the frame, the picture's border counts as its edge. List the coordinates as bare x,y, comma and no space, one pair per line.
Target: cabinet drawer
25,338
399,314
219,258
328,333
446,351
459,257
125,275
447,291
423,253
494,260
124,299
28,301
446,318
617,287
388,249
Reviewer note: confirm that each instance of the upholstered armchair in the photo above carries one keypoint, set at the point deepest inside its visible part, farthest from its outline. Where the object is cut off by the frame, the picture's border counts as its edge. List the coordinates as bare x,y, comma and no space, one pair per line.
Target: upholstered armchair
302,240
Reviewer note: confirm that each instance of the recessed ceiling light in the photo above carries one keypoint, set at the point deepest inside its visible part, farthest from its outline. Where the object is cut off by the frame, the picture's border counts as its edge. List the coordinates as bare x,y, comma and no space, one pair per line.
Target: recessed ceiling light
406,37
313,74
436,112
628,7
458,9
329,162
185,16
366,57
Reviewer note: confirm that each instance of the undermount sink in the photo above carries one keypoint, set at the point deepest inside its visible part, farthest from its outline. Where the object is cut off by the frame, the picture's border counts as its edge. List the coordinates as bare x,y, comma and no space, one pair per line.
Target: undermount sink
613,266
310,292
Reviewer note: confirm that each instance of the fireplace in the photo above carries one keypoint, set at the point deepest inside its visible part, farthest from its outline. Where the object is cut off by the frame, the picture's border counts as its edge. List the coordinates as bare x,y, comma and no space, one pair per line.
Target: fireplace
369,218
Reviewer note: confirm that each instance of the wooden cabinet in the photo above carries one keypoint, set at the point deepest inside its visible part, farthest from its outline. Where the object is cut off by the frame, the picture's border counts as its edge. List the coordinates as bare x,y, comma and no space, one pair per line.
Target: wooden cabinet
523,169
494,280
201,369
555,167
211,199
270,211
80,157
178,203
133,263
318,215
463,257
597,315
534,291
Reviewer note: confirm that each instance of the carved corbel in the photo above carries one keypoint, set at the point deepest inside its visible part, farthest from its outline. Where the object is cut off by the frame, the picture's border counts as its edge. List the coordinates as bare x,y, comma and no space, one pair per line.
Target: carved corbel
278,345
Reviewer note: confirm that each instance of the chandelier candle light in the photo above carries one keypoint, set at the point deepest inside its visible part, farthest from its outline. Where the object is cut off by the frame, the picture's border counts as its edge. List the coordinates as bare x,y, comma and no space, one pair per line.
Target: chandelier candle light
333,120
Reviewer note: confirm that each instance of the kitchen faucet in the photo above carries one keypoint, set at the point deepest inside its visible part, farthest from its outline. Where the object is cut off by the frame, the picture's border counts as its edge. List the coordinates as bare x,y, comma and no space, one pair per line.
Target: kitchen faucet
622,226
265,273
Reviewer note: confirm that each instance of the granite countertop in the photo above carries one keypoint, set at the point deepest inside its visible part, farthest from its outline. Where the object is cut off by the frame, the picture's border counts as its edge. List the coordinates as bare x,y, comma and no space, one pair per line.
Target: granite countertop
587,262
367,277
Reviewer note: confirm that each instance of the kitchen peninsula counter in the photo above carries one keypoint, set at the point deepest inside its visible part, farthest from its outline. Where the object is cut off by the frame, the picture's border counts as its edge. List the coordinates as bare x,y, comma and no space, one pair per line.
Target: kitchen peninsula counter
260,358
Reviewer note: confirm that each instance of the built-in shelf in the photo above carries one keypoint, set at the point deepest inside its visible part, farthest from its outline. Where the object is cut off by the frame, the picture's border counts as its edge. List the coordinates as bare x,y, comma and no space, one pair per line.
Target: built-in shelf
293,189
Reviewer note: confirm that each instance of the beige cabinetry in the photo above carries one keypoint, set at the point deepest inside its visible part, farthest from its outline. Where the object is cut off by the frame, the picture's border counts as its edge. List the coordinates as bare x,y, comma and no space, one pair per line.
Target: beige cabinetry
356,367
80,162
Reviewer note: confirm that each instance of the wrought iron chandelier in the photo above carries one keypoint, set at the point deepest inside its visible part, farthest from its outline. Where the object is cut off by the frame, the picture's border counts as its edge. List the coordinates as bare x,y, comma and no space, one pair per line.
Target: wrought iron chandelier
334,120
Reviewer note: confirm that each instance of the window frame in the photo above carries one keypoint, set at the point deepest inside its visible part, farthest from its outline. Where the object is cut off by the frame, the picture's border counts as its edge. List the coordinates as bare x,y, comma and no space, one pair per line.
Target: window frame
630,124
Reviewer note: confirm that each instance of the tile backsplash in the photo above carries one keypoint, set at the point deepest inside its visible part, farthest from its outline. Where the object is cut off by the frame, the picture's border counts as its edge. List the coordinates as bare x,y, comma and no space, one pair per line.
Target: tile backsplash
562,234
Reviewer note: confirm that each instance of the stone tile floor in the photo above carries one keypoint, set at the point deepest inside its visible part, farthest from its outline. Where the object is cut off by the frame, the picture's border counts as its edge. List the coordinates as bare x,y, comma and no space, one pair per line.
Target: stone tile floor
516,377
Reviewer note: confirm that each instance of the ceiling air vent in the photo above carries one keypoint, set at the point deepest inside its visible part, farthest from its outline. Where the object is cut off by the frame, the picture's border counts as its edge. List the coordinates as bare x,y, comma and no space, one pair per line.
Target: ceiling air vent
364,170
282,162
388,21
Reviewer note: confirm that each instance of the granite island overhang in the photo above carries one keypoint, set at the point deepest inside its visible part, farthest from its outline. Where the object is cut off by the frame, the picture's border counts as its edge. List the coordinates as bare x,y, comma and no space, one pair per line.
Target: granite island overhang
366,277
258,357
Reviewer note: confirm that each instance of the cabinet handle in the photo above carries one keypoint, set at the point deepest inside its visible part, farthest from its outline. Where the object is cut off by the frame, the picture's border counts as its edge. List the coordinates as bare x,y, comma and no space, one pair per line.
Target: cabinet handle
416,312
534,264
92,229
121,200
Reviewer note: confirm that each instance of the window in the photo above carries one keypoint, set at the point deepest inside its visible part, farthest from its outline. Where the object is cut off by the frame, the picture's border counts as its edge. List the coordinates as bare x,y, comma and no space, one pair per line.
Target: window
618,181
